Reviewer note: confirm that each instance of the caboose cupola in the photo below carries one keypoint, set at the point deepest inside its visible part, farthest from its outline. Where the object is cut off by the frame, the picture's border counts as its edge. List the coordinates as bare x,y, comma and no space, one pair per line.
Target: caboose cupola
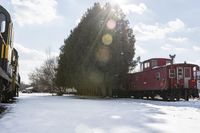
154,63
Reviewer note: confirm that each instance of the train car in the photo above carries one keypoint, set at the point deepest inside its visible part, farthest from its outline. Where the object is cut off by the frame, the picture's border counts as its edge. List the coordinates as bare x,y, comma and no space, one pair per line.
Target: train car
9,74
159,76
198,80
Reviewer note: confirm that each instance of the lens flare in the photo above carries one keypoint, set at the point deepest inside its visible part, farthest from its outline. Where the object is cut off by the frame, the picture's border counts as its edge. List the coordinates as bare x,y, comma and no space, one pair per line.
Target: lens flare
103,54
107,39
111,24
96,77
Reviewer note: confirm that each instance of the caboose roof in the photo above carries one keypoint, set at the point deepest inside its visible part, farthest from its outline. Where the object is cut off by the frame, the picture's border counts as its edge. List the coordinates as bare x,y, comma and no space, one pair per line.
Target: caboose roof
185,64
156,59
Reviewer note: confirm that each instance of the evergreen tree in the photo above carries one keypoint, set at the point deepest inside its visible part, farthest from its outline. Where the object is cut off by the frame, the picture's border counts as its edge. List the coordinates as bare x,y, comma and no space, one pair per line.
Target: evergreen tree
97,55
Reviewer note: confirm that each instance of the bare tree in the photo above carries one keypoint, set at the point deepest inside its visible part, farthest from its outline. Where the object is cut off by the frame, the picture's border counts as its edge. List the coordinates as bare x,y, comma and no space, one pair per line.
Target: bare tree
42,78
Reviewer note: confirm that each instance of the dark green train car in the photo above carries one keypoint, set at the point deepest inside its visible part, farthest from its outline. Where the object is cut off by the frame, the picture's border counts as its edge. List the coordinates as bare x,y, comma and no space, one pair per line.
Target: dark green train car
9,68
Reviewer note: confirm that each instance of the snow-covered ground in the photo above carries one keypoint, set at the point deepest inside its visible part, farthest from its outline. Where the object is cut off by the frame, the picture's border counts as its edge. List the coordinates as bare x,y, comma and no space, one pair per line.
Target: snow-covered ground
43,113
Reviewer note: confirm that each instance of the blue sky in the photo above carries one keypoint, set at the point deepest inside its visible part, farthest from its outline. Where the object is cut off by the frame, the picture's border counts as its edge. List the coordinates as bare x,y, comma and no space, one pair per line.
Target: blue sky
161,27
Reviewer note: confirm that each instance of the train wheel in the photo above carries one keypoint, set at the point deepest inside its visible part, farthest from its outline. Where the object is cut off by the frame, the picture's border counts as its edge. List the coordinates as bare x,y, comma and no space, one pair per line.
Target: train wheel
172,95
3,98
178,97
172,98
136,97
147,97
165,98
164,95
152,97
2,94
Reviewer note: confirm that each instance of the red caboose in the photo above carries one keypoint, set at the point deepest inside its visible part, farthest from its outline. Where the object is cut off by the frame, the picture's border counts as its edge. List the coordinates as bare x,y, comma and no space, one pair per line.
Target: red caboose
159,76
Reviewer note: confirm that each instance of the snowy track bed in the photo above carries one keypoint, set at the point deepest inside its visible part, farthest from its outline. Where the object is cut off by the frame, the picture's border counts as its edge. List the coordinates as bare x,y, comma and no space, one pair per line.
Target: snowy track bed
43,113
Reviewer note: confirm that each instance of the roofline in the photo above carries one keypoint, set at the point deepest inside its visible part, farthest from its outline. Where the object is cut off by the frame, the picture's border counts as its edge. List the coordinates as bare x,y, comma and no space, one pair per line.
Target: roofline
156,59
186,64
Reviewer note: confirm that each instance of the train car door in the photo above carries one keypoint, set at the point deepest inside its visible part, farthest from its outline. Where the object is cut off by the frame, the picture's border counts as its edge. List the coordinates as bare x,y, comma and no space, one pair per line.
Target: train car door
187,76
198,80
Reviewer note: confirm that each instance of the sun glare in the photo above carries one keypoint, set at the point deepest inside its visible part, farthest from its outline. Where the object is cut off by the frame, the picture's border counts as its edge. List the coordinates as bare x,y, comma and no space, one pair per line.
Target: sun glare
119,2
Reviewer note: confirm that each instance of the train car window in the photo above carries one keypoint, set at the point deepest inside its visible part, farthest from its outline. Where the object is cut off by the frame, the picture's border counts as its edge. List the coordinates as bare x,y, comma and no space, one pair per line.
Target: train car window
11,36
194,69
158,75
2,22
154,63
194,75
172,73
198,76
195,72
180,72
146,65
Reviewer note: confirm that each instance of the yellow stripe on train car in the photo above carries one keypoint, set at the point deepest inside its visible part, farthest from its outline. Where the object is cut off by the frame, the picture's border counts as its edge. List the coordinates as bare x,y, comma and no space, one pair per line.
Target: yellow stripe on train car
7,50
2,51
8,42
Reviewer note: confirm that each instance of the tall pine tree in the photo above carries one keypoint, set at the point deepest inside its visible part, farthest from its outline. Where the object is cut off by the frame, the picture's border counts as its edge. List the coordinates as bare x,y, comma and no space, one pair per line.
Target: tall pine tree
97,55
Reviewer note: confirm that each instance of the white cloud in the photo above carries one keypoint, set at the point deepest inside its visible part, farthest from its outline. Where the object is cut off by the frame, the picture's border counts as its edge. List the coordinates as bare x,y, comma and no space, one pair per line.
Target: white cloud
132,8
128,7
197,62
139,50
157,31
34,11
175,25
178,39
172,48
29,52
29,59
196,48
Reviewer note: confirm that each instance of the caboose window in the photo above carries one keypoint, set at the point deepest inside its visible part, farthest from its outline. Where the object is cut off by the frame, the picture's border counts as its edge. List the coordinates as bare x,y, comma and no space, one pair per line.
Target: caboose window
198,76
2,22
158,75
172,73
146,65
180,72
195,72
153,63
194,69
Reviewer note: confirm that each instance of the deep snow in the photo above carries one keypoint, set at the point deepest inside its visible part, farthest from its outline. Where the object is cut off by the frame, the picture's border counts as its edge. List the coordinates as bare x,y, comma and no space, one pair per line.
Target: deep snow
43,113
